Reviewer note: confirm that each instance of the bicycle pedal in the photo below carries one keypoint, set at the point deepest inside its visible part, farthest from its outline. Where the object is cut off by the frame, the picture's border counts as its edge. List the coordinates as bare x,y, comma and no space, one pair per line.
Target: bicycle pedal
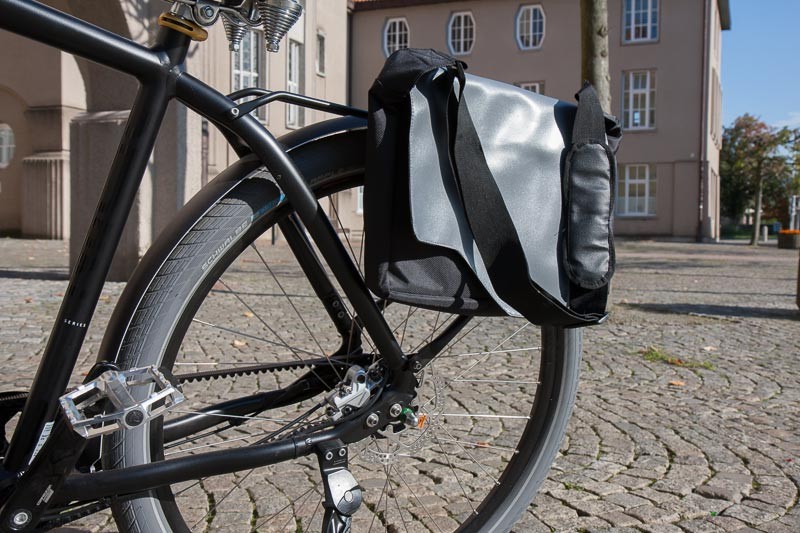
87,407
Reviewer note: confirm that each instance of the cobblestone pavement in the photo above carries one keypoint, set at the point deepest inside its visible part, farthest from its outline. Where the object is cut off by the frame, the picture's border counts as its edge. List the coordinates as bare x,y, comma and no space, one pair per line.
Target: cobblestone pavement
687,415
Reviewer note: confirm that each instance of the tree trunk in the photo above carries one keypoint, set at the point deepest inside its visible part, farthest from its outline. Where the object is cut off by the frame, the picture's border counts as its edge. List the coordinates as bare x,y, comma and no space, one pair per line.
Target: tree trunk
757,214
594,48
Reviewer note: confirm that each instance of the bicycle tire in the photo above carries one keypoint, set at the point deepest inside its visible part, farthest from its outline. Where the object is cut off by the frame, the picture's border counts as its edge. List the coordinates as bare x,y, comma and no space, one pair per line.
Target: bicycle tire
165,297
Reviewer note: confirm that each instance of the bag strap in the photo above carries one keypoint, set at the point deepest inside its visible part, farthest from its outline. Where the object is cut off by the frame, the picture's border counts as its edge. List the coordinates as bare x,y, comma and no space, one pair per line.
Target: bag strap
491,224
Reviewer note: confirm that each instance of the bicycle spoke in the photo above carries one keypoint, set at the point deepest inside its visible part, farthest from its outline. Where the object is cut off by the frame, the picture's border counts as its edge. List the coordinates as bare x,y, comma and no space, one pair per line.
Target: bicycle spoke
217,503
481,445
314,514
405,325
297,311
400,511
450,464
478,463
238,417
268,519
492,352
254,337
212,445
470,415
271,330
500,381
380,499
414,494
300,502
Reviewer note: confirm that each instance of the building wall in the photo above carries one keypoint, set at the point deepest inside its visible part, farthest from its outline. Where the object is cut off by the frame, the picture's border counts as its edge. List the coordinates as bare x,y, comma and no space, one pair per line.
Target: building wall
674,148
40,96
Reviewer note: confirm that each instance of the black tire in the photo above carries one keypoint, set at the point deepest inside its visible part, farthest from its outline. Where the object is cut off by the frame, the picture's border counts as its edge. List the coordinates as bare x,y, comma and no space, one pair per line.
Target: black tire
180,270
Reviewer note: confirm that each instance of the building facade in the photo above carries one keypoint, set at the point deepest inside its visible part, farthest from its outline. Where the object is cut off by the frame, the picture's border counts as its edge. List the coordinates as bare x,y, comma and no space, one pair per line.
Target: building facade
665,58
61,119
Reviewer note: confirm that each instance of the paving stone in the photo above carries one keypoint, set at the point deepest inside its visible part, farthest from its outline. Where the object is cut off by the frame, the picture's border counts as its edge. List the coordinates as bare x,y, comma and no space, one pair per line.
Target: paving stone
640,454
620,519
650,514
753,512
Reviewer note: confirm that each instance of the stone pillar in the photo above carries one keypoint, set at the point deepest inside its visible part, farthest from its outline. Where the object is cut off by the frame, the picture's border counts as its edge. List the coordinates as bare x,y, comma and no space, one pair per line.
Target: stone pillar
45,195
171,178
45,183
94,138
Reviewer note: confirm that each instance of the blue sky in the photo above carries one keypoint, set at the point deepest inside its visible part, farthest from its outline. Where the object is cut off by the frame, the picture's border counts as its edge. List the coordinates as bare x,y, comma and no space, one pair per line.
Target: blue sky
761,62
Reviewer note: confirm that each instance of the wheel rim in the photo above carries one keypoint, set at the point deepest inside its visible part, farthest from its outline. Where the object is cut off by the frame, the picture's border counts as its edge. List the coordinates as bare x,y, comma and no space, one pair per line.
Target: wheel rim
463,449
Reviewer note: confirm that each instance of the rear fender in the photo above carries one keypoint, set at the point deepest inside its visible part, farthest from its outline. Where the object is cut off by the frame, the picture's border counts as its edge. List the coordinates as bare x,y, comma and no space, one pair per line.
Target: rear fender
314,149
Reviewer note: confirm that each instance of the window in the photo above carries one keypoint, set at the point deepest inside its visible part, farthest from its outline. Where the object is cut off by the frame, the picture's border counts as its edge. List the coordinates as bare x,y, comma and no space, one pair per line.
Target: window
530,27
395,36
639,99
636,192
294,82
640,21
6,145
247,65
461,33
320,53
360,201
532,86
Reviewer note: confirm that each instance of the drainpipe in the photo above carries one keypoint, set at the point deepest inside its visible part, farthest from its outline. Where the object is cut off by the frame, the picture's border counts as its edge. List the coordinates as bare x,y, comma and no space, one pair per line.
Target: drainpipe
704,92
349,54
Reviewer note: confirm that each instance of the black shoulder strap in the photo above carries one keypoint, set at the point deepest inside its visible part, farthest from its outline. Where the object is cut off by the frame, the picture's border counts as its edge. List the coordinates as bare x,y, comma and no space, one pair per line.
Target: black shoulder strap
403,70
493,229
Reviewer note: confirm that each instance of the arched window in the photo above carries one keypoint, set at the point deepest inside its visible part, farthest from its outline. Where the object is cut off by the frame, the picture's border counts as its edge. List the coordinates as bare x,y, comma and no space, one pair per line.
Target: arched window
395,35
530,27
6,145
461,33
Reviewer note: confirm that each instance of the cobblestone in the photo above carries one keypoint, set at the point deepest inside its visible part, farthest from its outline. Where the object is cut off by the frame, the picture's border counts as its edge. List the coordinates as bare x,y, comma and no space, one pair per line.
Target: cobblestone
707,447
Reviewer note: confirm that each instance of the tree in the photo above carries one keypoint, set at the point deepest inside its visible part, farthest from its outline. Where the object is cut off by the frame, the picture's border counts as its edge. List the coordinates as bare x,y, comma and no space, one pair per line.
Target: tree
757,168
594,48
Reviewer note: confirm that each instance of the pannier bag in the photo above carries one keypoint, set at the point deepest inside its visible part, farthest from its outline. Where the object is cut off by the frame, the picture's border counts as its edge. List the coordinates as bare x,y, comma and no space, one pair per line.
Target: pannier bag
482,198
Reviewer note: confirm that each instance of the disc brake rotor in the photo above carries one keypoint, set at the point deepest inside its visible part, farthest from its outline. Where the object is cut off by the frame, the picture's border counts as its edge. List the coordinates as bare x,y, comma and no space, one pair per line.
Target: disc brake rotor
412,438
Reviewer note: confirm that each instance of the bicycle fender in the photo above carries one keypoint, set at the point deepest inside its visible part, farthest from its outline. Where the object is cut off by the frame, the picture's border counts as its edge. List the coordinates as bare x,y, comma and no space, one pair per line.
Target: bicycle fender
306,146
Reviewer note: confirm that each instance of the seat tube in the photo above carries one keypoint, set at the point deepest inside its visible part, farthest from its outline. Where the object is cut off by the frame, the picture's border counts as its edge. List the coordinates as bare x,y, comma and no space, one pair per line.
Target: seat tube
91,269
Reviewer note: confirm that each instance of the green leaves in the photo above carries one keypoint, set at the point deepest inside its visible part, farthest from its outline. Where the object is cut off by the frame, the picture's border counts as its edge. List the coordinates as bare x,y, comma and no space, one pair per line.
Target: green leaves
756,155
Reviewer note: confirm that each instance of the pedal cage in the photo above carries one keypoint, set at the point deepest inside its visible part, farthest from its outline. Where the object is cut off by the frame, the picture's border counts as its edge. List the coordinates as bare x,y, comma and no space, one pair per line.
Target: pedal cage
86,408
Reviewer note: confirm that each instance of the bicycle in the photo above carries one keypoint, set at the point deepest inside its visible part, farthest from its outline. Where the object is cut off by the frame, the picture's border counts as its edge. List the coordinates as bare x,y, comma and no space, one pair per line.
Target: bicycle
382,395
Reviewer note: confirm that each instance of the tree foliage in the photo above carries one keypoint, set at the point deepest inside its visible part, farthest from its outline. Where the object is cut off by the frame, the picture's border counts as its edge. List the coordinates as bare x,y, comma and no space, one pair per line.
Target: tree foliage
759,166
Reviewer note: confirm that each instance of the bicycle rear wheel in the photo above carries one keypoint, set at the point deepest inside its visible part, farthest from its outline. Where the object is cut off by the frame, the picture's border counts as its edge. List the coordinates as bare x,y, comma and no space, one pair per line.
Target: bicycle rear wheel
496,401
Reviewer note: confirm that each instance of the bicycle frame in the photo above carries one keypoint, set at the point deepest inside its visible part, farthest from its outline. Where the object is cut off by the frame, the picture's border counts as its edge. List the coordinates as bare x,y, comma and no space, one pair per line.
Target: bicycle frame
159,71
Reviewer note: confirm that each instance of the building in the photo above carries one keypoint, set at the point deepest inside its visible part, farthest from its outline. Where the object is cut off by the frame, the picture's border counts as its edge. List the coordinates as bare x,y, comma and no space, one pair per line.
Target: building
665,77
61,118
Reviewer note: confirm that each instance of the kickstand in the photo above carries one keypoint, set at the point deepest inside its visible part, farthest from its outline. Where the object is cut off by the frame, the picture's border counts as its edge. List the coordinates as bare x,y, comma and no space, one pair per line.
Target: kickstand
342,493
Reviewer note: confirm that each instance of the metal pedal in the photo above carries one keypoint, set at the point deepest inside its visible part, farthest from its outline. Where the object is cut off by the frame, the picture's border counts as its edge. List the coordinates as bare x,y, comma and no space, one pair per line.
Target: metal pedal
84,407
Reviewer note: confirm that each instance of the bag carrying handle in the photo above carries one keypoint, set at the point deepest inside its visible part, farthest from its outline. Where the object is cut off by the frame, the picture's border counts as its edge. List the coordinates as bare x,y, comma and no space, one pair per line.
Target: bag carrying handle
488,217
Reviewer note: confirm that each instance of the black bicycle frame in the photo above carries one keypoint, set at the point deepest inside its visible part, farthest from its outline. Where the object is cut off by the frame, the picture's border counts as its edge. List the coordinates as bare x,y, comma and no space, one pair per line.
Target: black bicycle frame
159,71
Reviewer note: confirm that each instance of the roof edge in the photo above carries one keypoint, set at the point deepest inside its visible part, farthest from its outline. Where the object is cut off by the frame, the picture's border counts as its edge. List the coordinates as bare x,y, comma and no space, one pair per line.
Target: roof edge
367,5
725,13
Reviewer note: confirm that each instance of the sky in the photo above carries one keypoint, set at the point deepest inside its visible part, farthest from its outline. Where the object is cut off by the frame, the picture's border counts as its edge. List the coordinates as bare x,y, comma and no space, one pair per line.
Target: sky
761,62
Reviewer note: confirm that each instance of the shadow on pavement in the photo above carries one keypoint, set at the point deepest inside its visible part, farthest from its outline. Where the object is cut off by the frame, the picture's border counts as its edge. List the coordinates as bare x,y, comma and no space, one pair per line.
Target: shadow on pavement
733,311
48,275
